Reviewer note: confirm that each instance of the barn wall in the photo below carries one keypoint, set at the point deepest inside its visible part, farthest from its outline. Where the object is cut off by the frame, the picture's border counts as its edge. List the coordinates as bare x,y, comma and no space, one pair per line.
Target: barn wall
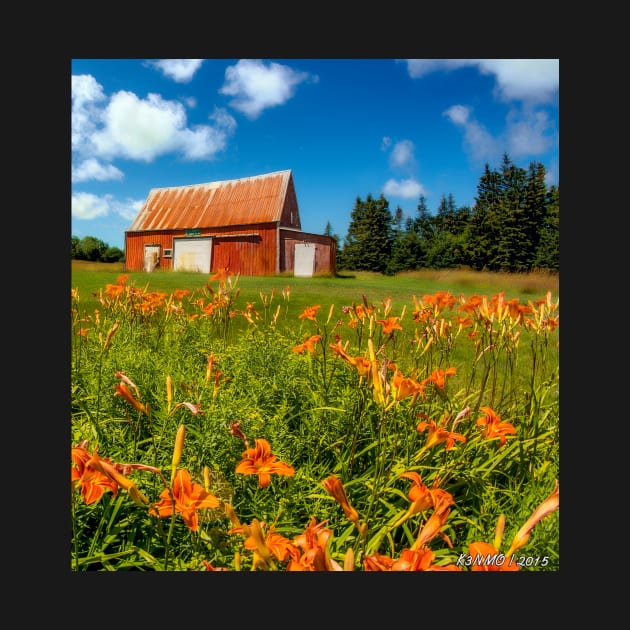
253,253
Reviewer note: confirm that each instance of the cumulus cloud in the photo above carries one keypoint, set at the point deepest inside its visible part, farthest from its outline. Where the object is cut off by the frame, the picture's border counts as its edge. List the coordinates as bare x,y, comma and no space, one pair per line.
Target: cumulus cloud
180,70
89,206
132,128
255,86
402,155
405,189
529,80
527,133
92,169
529,85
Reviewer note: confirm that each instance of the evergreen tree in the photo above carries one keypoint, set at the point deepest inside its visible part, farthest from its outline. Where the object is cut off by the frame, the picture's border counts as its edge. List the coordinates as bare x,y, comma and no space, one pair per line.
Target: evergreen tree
405,249
424,228
548,252
369,239
484,224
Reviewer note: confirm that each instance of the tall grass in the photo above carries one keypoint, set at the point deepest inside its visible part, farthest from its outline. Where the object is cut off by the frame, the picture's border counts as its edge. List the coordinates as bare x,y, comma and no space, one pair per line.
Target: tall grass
357,423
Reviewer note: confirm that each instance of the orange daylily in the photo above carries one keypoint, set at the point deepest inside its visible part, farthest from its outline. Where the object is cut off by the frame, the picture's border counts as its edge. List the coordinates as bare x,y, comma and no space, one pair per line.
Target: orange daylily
92,482
438,435
551,503
389,325
188,497
315,555
363,365
310,312
308,345
266,545
494,427
335,488
405,386
439,376
410,560
123,391
259,461
484,557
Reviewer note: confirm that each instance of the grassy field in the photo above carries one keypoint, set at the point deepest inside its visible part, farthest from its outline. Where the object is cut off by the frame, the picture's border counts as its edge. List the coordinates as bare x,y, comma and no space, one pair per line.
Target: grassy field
342,289
244,424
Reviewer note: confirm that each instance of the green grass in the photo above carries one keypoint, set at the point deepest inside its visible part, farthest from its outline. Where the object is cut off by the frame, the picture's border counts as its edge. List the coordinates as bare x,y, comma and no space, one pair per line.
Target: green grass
343,289
318,412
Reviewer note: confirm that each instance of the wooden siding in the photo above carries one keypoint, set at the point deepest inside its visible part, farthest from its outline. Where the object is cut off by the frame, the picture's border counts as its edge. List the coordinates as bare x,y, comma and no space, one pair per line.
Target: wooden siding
249,250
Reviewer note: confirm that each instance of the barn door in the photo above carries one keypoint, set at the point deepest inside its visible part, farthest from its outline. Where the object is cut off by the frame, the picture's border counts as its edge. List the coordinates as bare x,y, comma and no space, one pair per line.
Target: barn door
192,254
151,257
304,260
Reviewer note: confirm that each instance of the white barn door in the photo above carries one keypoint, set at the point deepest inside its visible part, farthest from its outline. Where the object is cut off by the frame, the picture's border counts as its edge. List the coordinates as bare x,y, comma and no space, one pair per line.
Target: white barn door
192,254
304,260
151,257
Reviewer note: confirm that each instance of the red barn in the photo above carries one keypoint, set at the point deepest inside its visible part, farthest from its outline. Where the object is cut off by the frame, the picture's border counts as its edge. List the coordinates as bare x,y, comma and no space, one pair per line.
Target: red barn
249,225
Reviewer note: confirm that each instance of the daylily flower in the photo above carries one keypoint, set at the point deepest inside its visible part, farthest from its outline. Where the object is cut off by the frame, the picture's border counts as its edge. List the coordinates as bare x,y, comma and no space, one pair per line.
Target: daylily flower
92,482
437,434
363,365
403,386
123,391
188,497
310,312
314,556
436,521
422,497
494,427
259,461
410,560
550,504
335,488
308,345
482,553
439,376
389,325
266,545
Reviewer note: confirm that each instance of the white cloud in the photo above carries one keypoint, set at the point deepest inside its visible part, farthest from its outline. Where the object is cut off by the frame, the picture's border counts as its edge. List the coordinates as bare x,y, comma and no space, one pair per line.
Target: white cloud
528,80
402,155
478,142
180,70
405,189
92,169
256,87
527,134
86,94
89,206
137,129
127,209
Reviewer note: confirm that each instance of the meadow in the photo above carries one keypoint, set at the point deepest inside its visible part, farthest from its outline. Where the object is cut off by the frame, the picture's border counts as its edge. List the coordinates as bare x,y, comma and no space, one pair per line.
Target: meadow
350,423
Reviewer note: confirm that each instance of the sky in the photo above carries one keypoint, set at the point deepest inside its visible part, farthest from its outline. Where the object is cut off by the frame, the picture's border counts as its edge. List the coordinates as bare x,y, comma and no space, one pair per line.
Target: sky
346,128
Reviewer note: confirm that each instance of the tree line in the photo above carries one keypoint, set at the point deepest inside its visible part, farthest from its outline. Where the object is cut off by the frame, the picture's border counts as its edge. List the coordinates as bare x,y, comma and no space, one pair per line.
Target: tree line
514,226
95,250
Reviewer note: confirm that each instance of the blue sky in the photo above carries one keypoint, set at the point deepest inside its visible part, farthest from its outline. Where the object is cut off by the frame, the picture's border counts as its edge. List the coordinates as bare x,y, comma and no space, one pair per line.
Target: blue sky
346,128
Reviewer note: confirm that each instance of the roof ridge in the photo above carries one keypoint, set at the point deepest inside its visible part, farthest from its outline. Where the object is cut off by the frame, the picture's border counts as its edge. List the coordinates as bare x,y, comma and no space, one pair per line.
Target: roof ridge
226,181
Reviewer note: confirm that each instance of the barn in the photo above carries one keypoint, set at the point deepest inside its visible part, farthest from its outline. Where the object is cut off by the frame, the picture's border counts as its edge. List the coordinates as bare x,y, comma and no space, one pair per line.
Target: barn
250,226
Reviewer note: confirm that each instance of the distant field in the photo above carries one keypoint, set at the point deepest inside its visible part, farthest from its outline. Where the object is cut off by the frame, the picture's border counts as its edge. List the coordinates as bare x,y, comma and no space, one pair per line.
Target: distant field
344,289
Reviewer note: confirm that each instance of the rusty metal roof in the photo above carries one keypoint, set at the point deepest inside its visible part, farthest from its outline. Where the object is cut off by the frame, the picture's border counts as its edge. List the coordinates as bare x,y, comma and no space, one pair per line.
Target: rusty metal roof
257,199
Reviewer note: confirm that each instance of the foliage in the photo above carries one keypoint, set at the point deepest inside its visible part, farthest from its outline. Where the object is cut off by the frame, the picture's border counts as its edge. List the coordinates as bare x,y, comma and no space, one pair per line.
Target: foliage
95,250
513,227
212,432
